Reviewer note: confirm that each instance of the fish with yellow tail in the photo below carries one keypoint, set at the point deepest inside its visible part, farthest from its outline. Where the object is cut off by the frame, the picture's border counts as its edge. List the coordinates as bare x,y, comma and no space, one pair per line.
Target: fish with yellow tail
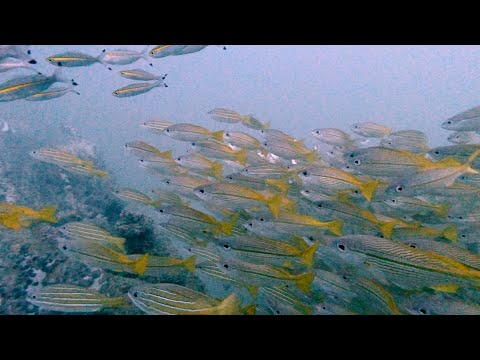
422,182
190,132
217,150
87,232
172,299
331,179
266,274
15,216
94,254
237,197
198,162
135,196
73,299
157,265
146,151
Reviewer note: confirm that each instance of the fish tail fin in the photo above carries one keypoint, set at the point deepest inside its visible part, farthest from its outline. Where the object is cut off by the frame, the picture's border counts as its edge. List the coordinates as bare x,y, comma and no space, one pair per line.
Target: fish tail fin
368,189
229,306
335,227
217,170
280,184
386,227
264,152
116,302
100,173
468,164
252,290
442,210
140,265
241,156
250,310
218,135
267,125
246,120
156,203
447,288
226,227
118,242
48,214
274,203
311,157
167,154
450,233
11,221
303,281
189,263
309,254
145,52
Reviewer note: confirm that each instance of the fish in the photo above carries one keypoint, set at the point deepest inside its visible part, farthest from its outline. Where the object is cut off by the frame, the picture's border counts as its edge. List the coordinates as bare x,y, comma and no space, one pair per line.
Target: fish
8,64
73,59
67,161
87,232
161,51
140,75
189,132
156,126
394,262
328,178
291,223
16,216
415,205
123,57
465,121
145,151
73,299
409,140
198,162
266,274
249,244
177,233
425,180
26,86
189,49
137,89
332,136
243,141
195,220
370,130
283,301
291,150
463,137
131,195
276,134
20,52
213,271
258,183
168,197
217,150
95,254
439,304
184,184
172,299
253,123
237,197
225,115
51,94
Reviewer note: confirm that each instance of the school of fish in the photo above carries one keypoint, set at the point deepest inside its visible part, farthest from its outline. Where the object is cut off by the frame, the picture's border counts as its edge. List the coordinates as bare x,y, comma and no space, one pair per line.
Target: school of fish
371,220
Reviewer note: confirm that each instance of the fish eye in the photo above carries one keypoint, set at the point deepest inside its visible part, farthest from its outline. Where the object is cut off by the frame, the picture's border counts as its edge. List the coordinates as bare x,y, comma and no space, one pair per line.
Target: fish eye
226,246
246,170
50,60
306,191
277,312
225,266
449,122
310,238
357,162
437,152
29,52
324,308
227,134
167,130
116,92
230,177
460,218
34,296
319,205
356,191
135,294
305,173
201,191
423,311
341,247
161,210
265,144
152,53
179,159
167,182
262,219
463,236
64,247
399,189
393,200
344,277
317,132
413,246
356,126
34,152
250,224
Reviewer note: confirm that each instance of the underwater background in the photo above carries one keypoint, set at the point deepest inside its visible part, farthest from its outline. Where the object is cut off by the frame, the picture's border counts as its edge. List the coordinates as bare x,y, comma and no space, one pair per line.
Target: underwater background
295,88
